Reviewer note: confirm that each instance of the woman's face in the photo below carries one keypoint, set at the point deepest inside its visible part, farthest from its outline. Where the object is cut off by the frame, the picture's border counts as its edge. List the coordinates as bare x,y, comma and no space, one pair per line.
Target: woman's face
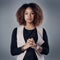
29,15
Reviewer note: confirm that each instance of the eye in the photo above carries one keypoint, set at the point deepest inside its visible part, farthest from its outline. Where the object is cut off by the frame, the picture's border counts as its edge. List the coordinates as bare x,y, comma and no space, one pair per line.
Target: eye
32,13
26,13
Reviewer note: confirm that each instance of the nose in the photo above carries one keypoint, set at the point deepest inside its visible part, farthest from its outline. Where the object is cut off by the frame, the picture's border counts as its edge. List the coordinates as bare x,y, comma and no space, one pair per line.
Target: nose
29,15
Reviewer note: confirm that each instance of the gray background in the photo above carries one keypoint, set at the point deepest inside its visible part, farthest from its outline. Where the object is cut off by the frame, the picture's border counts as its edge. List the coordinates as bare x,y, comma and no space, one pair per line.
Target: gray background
51,11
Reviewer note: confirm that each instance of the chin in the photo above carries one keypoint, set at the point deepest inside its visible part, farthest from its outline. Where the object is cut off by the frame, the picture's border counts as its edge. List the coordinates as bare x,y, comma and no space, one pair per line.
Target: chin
29,21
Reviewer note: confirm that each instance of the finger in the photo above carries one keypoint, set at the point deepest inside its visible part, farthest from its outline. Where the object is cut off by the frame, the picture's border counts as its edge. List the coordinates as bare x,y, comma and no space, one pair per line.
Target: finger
32,40
29,43
29,40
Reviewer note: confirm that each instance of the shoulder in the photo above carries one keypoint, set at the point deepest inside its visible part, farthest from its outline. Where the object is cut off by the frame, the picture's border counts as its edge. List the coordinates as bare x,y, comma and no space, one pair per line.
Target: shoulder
14,30
45,36
41,29
44,31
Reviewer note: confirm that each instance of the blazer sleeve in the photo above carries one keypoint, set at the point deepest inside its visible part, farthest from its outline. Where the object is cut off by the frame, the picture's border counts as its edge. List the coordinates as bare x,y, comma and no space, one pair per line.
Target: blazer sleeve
13,48
45,45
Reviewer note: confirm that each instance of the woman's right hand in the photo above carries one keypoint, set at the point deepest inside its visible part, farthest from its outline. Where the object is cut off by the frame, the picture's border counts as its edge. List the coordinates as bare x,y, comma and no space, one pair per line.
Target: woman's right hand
28,44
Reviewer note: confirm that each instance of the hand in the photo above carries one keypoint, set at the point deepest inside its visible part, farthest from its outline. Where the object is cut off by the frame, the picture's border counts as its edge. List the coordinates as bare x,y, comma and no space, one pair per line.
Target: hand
35,46
28,44
33,43
39,49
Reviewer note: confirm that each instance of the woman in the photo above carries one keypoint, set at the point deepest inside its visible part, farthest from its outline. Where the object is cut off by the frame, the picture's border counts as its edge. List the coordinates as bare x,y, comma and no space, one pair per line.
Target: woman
29,42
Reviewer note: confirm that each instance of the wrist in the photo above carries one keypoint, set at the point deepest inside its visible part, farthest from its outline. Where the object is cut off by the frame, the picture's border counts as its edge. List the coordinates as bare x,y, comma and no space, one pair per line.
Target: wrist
39,49
23,48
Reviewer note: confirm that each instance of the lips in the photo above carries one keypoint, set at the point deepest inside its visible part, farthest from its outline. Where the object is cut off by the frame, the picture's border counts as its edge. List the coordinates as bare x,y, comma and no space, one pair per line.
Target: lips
30,19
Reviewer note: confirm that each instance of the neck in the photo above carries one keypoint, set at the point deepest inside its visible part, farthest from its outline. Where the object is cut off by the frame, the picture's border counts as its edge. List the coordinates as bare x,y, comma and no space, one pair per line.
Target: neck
29,26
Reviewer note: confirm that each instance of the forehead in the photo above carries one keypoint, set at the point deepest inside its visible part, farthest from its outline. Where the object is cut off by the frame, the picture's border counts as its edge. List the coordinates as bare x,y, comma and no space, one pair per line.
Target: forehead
28,9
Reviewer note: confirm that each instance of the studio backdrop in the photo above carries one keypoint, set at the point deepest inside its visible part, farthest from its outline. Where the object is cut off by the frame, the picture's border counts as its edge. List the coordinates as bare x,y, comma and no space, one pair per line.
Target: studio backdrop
51,22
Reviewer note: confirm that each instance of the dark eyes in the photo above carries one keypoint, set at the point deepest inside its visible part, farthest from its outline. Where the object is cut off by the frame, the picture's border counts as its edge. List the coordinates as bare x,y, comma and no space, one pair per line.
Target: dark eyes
32,13
28,13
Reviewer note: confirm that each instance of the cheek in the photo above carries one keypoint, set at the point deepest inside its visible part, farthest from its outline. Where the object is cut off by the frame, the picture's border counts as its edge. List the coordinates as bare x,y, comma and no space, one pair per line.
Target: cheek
25,16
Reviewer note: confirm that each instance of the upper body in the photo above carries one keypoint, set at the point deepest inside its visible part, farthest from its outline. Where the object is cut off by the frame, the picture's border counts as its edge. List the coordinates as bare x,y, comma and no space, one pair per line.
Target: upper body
16,51
29,15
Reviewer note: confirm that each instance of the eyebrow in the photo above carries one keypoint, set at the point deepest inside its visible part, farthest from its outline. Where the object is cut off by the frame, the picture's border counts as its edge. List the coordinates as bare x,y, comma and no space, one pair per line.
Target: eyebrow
31,11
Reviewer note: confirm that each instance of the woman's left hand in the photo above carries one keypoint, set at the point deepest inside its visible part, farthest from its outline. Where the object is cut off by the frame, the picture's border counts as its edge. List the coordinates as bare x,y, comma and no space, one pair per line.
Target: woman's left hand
36,47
